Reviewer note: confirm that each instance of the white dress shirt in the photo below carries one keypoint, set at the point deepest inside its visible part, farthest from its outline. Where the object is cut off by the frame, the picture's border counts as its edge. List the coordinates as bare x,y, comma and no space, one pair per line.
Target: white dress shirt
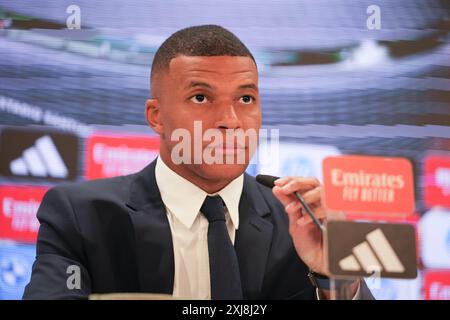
189,228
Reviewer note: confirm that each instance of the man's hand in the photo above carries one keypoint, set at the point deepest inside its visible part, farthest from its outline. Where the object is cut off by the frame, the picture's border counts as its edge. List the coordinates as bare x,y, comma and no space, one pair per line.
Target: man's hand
306,236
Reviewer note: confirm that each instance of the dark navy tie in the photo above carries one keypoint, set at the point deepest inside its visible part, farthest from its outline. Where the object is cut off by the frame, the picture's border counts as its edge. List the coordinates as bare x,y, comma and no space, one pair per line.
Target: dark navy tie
223,262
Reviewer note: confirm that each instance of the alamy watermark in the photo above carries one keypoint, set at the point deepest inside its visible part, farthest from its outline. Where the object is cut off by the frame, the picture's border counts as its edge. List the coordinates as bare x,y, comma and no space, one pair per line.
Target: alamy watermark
374,280
214,146
73,21
373,21
74,278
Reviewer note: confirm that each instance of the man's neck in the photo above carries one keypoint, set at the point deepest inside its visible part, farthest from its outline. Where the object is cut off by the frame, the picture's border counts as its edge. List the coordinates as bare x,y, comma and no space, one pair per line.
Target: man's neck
207,185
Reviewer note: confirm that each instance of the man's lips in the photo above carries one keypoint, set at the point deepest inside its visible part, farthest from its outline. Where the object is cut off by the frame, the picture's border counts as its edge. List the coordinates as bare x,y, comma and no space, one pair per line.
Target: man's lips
227,148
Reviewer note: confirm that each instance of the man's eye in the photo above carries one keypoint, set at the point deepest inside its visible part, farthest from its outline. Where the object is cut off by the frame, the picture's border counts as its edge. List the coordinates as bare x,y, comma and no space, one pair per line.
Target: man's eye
246,99
199,98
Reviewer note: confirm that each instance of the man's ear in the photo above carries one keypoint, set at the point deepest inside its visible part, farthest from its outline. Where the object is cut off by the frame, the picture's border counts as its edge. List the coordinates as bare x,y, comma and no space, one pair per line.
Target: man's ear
153,115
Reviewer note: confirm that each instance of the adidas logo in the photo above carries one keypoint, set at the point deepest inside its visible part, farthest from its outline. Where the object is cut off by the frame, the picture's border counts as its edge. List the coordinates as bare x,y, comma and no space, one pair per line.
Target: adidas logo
40,160
375,254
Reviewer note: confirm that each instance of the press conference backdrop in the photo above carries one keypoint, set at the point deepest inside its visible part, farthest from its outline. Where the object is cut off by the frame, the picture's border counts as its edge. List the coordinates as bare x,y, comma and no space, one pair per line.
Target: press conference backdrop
336,77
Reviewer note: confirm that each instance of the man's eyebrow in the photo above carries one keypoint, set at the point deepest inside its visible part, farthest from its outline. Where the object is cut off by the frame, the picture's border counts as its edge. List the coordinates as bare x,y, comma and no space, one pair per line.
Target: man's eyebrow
249,86
194,84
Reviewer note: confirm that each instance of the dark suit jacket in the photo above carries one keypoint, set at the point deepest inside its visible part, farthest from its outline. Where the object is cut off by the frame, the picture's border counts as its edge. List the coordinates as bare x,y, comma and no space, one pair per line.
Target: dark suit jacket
116,230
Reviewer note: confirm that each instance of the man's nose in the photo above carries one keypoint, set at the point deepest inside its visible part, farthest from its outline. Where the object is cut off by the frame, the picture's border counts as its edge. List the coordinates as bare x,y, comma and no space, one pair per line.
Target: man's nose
228,118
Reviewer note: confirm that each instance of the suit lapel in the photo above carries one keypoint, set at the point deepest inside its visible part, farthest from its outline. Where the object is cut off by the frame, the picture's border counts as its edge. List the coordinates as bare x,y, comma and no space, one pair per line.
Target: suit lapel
154,247
253,238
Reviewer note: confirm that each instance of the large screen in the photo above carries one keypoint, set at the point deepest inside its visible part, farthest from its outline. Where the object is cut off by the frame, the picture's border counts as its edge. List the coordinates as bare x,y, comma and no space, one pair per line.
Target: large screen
336,77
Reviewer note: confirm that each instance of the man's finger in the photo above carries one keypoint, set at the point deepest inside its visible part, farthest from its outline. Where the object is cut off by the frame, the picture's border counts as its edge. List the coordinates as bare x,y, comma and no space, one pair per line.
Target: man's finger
291,205
285,199
299,184
319,213
282,181
313,196
293,211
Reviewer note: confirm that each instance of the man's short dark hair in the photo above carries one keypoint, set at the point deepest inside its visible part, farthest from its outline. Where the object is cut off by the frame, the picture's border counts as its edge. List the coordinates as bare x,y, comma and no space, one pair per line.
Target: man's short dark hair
205,40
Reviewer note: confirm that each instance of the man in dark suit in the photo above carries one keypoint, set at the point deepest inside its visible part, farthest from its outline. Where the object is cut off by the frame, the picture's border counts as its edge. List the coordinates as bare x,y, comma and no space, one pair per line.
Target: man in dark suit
194,229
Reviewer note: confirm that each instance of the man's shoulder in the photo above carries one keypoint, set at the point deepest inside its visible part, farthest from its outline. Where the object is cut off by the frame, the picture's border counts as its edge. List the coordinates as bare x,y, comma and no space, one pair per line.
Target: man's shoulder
114,189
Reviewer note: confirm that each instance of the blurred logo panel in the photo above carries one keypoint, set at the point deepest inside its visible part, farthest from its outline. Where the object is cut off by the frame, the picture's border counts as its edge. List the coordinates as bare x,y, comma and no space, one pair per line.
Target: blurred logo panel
437,285
435,238
15,269
410,219
395,289
369,185
377,249
18,208
294,159
110,156
38,154
437,181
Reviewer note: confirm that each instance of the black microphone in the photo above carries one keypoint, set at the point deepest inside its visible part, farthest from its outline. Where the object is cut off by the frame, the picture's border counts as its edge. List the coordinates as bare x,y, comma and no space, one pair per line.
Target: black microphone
269,181
266,180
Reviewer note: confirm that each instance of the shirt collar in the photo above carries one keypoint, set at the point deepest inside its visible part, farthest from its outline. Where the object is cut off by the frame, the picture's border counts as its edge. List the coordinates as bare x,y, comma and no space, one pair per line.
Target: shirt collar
184,199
